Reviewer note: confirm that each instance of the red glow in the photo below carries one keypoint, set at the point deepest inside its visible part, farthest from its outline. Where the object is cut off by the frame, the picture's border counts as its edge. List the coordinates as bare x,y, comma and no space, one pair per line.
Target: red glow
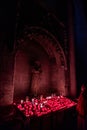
45,105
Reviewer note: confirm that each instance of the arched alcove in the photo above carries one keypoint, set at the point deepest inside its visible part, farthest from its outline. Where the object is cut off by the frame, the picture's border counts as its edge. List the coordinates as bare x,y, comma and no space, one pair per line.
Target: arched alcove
37,45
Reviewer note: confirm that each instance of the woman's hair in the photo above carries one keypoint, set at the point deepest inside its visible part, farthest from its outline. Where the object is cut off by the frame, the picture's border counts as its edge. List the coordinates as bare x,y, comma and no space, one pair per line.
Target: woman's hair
84,91
83,87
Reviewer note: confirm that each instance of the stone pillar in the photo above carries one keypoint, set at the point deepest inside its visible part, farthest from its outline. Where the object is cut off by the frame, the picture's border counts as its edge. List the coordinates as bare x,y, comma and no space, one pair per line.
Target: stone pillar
71,48
6,76
7,36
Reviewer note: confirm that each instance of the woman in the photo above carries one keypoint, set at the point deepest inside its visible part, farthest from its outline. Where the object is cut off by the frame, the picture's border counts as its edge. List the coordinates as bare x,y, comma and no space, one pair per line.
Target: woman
82,108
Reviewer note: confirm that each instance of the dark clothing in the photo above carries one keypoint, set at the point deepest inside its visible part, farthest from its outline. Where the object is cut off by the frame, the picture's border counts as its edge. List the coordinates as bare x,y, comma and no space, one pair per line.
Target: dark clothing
82,111
82,104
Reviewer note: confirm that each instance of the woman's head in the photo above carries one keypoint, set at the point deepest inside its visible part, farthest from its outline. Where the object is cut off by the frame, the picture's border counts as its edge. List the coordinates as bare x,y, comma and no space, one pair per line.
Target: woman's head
83,88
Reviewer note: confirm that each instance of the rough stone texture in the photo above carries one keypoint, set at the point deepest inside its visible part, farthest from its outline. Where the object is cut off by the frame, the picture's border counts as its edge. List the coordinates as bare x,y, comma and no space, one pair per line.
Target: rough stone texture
42,46
6,77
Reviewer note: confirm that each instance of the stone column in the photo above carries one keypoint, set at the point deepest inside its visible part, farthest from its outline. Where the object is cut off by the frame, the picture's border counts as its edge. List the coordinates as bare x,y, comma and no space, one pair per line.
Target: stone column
6,76
7,36
71,43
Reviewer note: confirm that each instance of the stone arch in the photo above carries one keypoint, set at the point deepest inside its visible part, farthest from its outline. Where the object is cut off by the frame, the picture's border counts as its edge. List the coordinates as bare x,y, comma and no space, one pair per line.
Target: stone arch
40,35
55,52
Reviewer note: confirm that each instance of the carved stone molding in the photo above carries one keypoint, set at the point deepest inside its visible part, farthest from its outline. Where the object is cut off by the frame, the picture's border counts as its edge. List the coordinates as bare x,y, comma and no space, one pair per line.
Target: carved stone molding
46,40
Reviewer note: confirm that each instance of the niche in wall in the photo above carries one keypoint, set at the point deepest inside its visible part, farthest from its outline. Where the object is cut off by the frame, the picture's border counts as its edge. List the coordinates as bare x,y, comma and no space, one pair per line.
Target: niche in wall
39,65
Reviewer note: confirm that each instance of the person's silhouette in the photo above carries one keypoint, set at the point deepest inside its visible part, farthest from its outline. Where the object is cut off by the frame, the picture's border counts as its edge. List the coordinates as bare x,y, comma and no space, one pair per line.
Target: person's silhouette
82,108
